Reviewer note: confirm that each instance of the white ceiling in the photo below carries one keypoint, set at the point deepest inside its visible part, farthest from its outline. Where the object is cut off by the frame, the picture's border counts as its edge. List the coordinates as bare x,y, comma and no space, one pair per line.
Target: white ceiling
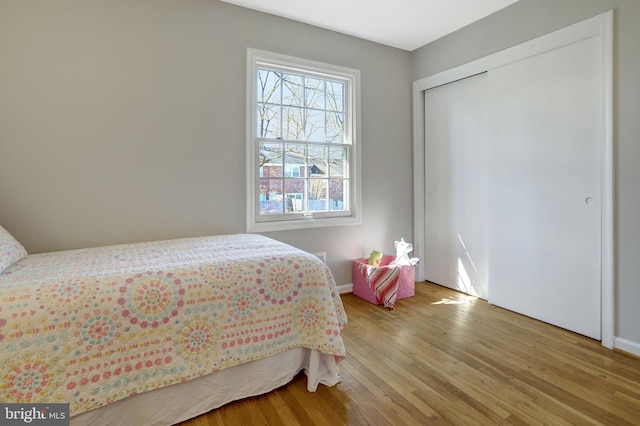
405,24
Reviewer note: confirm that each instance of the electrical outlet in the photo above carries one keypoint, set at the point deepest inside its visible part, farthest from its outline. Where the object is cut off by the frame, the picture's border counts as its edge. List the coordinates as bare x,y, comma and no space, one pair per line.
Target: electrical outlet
321,255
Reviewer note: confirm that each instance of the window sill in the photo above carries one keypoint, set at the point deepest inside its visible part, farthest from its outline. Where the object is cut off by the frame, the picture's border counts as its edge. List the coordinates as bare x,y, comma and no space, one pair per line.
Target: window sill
308,223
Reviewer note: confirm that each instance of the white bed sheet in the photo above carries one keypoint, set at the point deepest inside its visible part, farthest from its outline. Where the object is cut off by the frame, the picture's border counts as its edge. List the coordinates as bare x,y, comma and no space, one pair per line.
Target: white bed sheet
173,404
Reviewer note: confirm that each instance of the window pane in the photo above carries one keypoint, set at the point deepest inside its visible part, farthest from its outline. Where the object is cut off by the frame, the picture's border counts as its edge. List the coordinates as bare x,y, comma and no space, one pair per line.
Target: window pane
292,90
294,193
335,127
314,126
271,196
269,86
314,93
295,160
268,125
338,162
317,160
335,96
270,160
318,193
338,193
293,122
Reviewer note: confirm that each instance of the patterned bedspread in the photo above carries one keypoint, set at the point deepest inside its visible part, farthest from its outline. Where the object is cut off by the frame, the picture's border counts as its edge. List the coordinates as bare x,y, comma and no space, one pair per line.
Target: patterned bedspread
93,326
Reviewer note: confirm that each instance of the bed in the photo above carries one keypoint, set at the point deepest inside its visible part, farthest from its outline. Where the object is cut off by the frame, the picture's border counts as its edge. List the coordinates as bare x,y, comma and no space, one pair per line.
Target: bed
159,332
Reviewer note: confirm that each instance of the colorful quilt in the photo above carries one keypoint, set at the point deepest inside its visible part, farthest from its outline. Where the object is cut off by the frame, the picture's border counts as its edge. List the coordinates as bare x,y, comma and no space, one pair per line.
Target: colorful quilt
93,326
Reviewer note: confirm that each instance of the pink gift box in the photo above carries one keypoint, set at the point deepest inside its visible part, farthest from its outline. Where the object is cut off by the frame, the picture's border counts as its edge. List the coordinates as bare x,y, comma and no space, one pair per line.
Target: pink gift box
362,285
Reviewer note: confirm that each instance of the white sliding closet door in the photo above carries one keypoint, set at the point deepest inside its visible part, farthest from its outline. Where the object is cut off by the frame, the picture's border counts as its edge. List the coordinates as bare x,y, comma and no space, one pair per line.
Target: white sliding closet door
517,202
456,173
545,186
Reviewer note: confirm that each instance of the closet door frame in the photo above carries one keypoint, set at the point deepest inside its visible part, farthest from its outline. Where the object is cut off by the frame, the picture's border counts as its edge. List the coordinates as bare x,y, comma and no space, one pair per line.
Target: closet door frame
599,26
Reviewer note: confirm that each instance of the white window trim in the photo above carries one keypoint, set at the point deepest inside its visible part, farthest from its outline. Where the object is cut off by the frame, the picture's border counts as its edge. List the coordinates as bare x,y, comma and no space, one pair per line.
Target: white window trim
255,56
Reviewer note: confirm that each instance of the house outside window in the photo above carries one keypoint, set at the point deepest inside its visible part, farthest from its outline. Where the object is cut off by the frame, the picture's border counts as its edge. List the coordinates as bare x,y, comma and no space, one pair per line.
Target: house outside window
302,143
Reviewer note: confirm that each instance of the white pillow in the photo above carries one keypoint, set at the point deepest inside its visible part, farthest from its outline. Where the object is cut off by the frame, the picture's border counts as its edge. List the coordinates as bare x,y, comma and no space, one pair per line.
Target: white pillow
10,250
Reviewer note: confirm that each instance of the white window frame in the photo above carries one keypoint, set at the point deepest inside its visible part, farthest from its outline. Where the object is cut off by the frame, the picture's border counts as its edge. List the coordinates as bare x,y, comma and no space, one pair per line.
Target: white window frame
266,223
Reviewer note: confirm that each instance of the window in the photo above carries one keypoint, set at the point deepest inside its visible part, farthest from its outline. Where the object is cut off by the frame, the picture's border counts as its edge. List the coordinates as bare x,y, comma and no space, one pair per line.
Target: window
302,143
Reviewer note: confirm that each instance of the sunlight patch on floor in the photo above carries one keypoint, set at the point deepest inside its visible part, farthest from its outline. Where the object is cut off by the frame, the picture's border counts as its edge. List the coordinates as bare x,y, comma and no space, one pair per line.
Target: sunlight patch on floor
462,299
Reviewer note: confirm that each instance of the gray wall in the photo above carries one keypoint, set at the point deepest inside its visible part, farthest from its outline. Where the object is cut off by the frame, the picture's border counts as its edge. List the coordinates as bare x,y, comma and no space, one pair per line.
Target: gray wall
124,121
528,19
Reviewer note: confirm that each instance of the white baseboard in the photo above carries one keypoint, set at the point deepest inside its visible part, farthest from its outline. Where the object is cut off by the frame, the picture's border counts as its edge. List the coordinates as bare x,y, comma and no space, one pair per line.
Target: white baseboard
627,346
345,288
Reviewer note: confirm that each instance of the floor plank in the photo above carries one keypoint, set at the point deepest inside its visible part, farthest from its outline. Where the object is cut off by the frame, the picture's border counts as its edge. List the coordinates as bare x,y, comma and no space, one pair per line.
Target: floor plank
445,358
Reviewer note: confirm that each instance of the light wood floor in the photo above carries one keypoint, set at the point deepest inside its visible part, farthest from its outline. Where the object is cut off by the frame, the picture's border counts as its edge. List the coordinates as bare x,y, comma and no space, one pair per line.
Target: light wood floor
443,358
